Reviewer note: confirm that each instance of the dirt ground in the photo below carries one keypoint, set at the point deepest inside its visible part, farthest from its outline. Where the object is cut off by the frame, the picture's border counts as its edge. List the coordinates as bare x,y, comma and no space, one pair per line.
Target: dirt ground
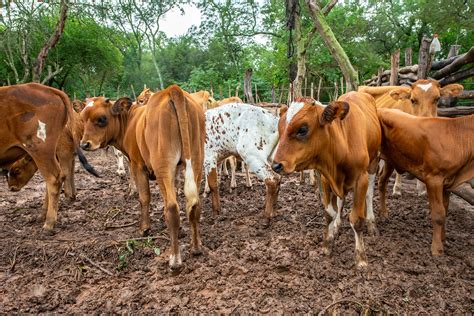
92,265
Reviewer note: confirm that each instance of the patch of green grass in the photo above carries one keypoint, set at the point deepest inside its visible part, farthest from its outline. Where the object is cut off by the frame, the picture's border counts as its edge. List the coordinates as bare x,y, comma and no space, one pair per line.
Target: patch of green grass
130,247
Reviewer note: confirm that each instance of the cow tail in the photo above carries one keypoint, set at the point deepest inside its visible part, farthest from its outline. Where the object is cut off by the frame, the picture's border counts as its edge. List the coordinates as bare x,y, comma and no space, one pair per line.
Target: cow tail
181,106
75,128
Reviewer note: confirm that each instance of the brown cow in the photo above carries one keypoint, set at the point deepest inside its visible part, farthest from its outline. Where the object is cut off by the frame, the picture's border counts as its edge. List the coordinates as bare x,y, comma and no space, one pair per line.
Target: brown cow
32,117
437,151
23,169
421,99
169,131
341,141
144,96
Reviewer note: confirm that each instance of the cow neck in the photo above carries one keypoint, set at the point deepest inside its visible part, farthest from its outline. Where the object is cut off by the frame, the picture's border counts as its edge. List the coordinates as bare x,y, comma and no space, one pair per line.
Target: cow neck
328,160
119,135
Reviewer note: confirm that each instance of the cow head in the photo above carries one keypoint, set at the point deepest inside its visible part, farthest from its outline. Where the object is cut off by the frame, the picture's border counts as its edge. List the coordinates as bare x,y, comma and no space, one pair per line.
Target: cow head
144,96
424,95
78,105
102,121
304,133
20,173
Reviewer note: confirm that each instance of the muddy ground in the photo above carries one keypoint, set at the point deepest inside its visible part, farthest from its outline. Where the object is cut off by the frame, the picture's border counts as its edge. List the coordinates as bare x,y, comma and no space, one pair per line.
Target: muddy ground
89,266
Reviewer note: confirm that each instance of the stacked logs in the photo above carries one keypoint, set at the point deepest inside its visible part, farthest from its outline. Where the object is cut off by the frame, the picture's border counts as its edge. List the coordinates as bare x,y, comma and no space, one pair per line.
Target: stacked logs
446,71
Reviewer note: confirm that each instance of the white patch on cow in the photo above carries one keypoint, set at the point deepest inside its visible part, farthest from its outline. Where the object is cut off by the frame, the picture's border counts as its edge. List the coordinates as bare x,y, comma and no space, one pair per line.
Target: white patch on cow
41,132
294,108
90,103
336,218
398,184
190,188
120,162
369,198
425,87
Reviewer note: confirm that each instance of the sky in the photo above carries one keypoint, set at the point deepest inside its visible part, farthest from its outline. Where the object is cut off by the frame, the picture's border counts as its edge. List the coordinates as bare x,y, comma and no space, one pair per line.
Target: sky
175,24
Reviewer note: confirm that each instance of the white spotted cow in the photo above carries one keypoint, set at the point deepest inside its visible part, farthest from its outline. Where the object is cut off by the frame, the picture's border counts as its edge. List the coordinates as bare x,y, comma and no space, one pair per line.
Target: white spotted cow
249,133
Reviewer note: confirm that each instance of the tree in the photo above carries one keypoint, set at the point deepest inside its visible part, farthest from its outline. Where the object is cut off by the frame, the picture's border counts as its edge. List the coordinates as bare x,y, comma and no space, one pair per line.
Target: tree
331,42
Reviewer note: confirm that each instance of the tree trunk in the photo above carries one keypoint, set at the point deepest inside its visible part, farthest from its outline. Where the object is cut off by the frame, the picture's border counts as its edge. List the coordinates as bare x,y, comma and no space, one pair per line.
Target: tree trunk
453,51
408,56
423,58
157,68
54,39
395,63
456,111
333,45
455,65
458,76
300,57
248,86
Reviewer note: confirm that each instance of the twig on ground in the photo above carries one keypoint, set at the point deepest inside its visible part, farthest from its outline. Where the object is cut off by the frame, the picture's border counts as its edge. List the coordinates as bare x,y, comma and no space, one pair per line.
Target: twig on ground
120,226
145,238
339,302
13,262
84,257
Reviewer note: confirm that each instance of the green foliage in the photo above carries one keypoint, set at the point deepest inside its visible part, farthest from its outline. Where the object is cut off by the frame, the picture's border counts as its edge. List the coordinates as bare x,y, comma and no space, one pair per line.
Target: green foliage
132,246
114,48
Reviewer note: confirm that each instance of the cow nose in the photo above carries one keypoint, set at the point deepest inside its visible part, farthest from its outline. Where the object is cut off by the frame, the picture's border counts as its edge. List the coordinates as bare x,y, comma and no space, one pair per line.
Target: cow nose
277,167
86,145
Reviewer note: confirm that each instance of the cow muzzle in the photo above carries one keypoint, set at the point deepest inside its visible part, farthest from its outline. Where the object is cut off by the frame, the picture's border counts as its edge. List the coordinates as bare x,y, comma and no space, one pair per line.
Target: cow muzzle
277,167
86,145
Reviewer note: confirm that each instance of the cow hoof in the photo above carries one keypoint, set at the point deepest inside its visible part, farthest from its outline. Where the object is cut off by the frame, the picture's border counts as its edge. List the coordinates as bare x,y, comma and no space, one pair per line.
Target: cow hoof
437,252
266,222
145,232
397,192
361,260
361,265
372,229
48,230
196,252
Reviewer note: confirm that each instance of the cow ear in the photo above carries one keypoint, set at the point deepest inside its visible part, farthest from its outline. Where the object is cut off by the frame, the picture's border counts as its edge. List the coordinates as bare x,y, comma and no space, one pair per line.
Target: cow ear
283,109
451,90
401,94
120,106
336,109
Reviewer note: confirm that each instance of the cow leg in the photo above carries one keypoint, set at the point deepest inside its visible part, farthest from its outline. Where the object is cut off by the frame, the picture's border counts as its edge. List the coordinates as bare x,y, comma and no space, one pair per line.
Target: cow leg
312,177
258,165
224,168
383,181
140,177
166,183
49,169
420,188
357,218
66,162
193,204
302,179
120,162
333,207
233,162
214,189
248,181
369,199
397,186
437,201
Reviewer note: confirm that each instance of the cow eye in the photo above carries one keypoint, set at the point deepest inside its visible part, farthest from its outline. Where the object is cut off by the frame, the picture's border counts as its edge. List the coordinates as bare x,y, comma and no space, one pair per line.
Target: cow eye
102,121
302,131
14,171
413,101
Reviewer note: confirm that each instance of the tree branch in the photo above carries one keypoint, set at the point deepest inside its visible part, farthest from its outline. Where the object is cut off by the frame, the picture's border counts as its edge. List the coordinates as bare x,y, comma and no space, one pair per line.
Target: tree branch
39,63
329,7
51,74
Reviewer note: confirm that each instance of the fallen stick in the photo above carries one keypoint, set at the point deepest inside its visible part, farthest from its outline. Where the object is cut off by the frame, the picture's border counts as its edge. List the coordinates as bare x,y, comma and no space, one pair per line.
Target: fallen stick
144,238
119,226
84,257
13,264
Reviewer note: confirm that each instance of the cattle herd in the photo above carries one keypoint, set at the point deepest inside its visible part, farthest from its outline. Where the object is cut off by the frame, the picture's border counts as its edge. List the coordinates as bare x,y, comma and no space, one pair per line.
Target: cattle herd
348,142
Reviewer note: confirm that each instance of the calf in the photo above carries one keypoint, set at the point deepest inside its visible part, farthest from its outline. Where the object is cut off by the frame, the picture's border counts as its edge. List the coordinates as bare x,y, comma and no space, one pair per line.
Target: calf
341,141
421,99
437,151
32,117
157,138
23,169
247,132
